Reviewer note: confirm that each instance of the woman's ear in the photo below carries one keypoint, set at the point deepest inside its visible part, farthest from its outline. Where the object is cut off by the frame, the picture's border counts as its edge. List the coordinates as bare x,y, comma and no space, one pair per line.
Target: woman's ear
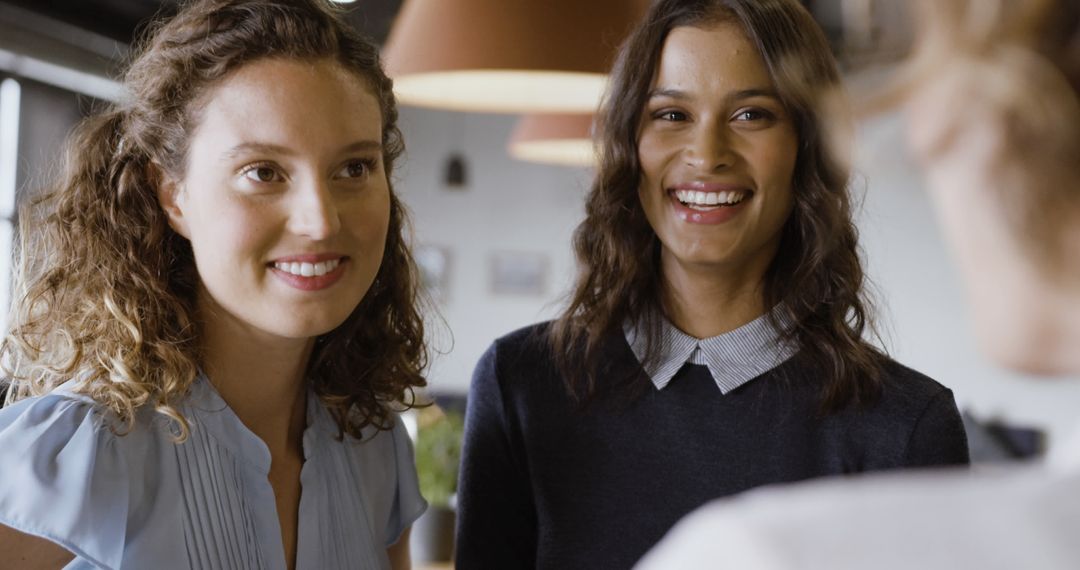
170,195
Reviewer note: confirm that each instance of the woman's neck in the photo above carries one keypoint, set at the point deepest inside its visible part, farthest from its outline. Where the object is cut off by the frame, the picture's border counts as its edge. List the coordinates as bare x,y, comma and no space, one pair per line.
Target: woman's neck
260,377
704,302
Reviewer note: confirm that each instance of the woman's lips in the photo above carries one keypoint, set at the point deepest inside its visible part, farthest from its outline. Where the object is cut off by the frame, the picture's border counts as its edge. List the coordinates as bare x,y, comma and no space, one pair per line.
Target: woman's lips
712,211
310,272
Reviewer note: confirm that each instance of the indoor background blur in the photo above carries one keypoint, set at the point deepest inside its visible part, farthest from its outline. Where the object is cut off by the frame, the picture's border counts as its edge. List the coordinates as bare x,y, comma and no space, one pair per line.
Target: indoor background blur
493,232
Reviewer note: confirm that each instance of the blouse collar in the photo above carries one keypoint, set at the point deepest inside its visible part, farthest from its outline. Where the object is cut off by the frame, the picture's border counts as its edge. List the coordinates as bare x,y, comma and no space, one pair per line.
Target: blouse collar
206,409
733,358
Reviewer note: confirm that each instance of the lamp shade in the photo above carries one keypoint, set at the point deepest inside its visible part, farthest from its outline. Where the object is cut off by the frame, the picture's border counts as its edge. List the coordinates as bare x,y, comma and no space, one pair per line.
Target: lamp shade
554,139
508,56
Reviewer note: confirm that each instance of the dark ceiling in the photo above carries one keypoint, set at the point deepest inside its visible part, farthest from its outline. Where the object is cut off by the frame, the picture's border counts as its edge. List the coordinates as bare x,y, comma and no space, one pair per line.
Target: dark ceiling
121,19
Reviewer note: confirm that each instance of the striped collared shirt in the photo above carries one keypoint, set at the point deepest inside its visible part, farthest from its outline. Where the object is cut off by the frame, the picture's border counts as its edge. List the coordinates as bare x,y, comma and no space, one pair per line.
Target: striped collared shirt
732,358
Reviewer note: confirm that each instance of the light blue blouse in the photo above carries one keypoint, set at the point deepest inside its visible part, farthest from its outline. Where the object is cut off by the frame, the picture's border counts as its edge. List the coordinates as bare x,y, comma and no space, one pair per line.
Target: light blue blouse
141,501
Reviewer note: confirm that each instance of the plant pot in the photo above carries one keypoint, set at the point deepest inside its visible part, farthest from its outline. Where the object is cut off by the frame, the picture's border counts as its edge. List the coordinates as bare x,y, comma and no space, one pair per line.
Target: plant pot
432,536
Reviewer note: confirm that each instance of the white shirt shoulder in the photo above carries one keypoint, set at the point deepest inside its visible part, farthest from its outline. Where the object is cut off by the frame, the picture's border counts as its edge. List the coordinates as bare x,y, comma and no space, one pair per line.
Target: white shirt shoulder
1022,517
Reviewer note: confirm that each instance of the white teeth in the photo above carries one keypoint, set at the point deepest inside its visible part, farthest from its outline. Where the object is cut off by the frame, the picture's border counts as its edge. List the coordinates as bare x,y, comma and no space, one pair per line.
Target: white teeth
694,198
307,269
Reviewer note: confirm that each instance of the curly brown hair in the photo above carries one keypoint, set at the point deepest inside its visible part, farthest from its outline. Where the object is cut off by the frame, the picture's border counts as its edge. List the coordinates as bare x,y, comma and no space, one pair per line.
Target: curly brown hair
816,280
106,289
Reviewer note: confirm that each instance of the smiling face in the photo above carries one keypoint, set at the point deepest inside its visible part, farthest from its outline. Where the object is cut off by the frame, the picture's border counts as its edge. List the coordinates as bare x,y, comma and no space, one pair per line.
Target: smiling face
717,150
284,197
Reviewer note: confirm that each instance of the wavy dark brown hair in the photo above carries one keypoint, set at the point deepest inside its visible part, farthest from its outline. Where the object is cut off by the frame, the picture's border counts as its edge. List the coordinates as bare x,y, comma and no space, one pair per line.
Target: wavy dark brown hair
816,280
105,293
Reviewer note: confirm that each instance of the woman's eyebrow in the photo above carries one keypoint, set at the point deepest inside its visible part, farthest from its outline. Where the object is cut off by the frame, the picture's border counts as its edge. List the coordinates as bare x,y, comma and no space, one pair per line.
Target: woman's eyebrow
670,93
257,148
362,146
276,149
754,92
733,96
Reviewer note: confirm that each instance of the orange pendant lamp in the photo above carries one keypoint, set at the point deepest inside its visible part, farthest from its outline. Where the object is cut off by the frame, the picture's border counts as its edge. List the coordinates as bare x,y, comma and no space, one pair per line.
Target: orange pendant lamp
507,56
564,140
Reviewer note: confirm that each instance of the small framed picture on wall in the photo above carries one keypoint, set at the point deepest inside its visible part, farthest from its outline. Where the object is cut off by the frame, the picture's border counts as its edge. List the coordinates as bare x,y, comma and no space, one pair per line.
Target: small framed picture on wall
518,273
433,263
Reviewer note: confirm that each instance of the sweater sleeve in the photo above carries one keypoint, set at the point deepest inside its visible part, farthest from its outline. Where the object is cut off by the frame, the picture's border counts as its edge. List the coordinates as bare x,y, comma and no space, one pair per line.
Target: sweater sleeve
939,438
496,515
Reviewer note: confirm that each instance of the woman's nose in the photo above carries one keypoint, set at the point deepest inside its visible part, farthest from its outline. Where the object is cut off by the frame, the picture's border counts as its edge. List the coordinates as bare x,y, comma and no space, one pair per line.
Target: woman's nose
314,213
709,148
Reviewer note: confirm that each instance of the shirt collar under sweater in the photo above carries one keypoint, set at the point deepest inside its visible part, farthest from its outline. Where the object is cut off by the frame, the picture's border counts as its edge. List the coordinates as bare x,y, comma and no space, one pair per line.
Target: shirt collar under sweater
733,358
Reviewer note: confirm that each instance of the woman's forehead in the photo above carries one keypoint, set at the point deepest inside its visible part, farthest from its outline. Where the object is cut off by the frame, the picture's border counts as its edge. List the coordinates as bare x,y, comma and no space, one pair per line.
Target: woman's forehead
717,56
290,104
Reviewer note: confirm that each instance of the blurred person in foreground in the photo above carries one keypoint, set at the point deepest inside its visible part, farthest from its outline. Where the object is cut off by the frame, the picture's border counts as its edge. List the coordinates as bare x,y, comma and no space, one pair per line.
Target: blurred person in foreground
991,99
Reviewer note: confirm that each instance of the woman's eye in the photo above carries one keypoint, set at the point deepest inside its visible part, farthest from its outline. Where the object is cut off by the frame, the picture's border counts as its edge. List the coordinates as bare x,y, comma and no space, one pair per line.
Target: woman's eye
752,115
261,173
356,169
673,116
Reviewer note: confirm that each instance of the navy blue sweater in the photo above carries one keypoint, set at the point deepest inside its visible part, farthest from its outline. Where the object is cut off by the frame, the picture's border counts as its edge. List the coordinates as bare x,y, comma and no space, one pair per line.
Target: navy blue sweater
547,485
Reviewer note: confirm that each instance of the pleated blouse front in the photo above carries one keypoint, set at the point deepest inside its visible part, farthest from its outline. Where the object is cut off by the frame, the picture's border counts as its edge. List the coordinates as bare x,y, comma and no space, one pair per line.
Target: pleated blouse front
142,501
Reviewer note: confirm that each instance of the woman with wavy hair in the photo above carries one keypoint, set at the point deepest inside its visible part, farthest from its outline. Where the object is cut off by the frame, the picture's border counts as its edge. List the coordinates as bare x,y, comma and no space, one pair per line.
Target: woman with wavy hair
992,100
217,315
713,341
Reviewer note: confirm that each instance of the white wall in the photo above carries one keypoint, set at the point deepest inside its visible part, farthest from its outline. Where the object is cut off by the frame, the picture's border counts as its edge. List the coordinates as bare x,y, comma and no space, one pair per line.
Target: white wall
507,205
511,205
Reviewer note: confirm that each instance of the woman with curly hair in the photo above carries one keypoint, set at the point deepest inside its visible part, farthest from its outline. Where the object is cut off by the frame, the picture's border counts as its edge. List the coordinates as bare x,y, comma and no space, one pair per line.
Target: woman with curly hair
992,101
217,315
713,341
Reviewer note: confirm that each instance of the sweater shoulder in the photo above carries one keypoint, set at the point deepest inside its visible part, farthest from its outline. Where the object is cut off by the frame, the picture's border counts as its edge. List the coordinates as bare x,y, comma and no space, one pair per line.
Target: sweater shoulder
530,336
521,365
907,384
908,396
526,346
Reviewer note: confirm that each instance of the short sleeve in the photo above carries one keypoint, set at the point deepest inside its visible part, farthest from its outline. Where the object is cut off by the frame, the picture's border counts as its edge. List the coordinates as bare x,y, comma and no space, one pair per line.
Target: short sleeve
939,438
408,503
64,478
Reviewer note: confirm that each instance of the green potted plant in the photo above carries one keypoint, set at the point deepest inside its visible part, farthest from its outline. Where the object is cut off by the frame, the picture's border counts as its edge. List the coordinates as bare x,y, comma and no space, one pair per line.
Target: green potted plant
438,454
